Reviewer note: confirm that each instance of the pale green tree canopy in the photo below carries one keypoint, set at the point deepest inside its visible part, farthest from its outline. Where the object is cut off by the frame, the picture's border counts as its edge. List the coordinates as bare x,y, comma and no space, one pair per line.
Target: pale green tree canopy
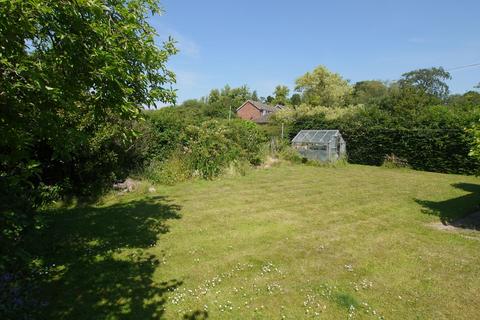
323,87
281,95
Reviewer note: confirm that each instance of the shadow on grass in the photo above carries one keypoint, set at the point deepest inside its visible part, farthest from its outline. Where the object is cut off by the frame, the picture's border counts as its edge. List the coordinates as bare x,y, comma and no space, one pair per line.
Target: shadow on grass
196,315
458,211
96,261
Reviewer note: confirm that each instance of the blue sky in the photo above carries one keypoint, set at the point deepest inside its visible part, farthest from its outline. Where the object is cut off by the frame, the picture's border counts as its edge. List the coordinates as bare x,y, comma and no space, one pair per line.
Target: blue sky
264,43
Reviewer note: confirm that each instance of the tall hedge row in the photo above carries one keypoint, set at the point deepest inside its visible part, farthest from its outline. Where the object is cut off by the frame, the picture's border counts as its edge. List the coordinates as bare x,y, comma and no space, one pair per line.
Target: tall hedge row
432,139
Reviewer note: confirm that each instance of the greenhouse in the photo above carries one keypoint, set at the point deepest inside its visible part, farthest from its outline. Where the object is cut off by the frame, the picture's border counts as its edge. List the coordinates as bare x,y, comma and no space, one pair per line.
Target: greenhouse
320,145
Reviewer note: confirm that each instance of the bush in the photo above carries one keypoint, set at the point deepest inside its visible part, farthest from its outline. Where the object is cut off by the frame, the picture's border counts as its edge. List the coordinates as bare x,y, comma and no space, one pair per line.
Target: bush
249,138
208,149
184,146
214,144
290,154
169,172
168,126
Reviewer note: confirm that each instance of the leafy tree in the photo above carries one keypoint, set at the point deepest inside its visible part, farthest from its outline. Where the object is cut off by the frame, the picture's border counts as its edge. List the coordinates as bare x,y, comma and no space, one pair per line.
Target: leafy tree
406,100
281,95
366,92
468,100
295,99
322,87
269,99
75,75
193,103
220,102
431,80
255,95
214,95
69,70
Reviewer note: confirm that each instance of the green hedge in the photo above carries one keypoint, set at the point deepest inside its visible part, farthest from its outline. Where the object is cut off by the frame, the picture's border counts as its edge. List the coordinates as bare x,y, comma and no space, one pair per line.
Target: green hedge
432,139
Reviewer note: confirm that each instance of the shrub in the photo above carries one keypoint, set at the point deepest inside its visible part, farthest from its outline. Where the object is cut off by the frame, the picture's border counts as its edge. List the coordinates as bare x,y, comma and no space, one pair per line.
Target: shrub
249,138
167,132
195,147
208,149
290,154
169,172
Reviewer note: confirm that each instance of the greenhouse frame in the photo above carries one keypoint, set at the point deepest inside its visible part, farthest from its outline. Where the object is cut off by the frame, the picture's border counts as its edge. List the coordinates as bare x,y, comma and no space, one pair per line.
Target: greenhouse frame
320,145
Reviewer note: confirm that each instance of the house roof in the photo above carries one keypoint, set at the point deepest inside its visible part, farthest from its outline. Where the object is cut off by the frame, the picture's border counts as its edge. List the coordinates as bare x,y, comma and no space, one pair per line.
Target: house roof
260,106
316,136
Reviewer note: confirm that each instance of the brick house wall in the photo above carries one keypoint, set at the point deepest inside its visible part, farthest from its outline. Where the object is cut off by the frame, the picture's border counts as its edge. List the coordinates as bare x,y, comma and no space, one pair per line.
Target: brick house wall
249,112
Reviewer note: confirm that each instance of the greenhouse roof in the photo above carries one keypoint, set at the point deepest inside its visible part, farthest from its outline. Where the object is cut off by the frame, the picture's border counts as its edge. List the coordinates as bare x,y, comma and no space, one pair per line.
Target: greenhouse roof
315,136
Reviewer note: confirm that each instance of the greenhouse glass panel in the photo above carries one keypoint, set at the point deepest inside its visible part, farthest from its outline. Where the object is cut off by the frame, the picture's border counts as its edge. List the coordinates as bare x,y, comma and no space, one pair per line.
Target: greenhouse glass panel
320,145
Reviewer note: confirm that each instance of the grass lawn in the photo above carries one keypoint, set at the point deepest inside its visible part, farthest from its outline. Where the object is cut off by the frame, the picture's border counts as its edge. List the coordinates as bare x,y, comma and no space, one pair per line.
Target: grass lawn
293,242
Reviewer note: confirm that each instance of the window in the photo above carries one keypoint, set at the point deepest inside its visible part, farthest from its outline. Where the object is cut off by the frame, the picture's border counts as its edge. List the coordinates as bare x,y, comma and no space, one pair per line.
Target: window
318,147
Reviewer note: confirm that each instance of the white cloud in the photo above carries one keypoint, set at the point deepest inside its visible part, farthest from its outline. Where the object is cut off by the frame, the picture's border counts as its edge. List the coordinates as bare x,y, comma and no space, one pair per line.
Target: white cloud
188,79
